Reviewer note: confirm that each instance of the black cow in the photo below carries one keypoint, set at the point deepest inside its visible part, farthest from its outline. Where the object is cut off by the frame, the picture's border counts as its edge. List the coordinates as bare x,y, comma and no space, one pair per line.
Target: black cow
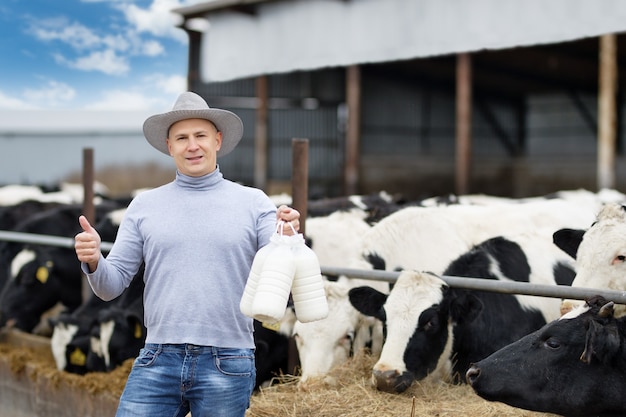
99,335
271,354
574,366
37,277
432,329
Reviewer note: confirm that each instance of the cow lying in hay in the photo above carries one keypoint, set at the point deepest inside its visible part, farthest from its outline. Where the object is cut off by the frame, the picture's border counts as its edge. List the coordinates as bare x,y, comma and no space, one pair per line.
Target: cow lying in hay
574,366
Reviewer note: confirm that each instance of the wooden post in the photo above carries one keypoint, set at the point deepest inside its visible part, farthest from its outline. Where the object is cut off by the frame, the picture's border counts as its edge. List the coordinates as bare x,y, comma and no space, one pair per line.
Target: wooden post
299,193
607,93
463,122
353,130
300,178
89,210
260,134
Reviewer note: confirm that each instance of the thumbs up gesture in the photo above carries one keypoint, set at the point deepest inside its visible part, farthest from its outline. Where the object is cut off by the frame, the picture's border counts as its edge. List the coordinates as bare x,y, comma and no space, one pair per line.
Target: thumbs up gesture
87,244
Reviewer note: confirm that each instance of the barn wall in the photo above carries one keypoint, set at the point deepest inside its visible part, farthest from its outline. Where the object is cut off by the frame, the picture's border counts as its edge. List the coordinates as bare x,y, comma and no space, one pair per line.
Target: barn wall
408,136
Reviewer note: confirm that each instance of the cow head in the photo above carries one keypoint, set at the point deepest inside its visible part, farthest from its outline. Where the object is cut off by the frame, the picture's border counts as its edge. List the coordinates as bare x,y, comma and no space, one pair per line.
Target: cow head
572,366
418,316
39,279
600,253
324,344
121,333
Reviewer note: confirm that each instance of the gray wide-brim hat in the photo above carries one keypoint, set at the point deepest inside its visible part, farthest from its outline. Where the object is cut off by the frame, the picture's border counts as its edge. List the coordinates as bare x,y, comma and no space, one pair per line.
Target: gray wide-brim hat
191,106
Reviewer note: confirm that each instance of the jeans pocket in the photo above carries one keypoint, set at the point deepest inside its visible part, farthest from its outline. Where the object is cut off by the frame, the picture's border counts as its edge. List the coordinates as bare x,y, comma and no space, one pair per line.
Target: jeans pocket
236,362
146,357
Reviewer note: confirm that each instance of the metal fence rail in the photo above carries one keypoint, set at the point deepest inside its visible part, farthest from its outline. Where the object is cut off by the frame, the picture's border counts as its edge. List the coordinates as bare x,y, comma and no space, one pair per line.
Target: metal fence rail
504,287
64,242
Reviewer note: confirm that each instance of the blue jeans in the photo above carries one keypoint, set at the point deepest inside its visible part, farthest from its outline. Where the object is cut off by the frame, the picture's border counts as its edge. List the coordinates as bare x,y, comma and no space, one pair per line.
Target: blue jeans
171,380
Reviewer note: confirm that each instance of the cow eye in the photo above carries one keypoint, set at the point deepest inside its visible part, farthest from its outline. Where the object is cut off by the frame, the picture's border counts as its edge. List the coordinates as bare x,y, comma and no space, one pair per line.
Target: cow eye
431,324
552,343
621,258
429,320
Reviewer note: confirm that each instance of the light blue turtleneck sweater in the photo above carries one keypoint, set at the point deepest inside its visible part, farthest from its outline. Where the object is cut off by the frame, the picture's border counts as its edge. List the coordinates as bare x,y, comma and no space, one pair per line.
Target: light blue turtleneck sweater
198,237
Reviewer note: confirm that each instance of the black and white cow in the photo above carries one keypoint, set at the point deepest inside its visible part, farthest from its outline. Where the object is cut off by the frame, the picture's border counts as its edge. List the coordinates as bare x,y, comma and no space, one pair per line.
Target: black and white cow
329,342
437,331
37,277
70,342
600,252
99,335
574,366
272,353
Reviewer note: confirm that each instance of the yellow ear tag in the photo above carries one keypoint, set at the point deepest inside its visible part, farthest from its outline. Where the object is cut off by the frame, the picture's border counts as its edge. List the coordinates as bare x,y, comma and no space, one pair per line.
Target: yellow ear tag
272,326
42,274
78,358
138,331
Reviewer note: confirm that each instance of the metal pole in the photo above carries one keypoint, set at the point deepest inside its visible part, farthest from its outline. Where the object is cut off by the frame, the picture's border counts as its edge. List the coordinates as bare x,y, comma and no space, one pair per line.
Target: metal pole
64,242
479,284
505,287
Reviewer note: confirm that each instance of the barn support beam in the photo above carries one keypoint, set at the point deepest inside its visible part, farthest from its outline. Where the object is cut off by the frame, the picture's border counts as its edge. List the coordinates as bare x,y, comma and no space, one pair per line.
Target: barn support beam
607,83
260,133
463,122
353,131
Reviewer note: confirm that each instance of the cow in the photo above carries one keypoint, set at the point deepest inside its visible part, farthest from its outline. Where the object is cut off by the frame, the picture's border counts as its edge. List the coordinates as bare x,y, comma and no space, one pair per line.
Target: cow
436,331
600,252
574,366
70,341
429,238
35,278
99,335
271,355
326,343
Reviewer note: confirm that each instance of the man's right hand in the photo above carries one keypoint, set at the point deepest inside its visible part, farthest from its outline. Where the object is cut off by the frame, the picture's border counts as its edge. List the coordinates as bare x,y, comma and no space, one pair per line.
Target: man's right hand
87,244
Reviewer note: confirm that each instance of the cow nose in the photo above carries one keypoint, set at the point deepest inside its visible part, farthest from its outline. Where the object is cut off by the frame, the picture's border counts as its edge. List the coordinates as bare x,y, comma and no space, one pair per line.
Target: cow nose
385,380
472,374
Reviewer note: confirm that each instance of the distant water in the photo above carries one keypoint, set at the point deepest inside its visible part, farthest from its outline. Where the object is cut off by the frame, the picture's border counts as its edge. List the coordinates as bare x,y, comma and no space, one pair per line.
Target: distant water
48,159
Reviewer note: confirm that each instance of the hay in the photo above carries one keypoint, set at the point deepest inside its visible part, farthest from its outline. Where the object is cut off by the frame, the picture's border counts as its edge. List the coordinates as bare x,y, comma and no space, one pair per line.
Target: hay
38,364
348,392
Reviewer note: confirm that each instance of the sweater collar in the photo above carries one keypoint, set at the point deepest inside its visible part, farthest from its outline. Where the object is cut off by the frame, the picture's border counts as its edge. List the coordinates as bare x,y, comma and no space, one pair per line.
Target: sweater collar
204,182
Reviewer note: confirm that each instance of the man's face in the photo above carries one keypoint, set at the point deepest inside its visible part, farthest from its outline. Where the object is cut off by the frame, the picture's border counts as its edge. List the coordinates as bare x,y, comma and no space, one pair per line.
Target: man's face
193,143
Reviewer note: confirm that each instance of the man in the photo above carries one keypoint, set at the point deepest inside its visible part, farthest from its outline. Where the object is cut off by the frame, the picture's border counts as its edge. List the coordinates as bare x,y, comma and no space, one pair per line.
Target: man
198,236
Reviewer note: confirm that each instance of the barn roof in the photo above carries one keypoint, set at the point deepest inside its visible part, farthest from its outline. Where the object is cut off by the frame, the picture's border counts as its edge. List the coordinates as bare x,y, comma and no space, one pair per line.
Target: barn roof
253,37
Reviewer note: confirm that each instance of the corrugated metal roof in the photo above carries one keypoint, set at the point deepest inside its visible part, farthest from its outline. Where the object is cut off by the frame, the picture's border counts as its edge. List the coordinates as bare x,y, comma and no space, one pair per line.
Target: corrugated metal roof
285,36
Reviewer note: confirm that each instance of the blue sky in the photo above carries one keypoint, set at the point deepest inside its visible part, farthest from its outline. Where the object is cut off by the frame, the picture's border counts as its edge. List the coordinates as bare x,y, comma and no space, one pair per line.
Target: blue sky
91,54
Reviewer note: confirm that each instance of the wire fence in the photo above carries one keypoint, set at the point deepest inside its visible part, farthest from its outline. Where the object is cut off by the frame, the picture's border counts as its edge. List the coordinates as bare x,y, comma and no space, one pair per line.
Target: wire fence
479,284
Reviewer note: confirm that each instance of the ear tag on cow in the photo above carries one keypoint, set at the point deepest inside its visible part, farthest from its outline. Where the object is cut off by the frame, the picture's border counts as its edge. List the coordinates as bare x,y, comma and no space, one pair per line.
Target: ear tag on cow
78,358
138,331
272,326
42,274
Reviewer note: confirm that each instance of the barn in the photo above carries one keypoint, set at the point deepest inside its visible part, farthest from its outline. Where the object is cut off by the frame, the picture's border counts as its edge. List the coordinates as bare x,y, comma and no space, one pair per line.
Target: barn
420,97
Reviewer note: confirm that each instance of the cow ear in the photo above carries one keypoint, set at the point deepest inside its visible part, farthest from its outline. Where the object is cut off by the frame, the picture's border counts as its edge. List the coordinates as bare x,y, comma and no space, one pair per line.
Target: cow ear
368,301
601,342
568,240
465,307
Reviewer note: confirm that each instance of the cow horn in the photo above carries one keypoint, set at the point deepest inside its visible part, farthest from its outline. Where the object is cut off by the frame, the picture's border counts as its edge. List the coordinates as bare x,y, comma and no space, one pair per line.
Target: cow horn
607,309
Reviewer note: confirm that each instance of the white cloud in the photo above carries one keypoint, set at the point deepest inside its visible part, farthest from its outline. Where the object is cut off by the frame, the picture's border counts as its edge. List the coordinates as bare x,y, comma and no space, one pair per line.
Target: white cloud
128,100
172,84
157,19
52,94
106,61
59,29
8,102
